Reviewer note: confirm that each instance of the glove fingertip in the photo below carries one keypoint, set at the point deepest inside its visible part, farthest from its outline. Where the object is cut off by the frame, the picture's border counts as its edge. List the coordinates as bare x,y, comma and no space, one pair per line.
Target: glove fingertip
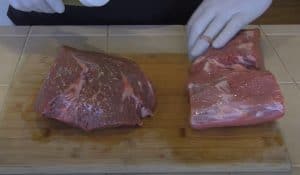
60,9
198,50
218,44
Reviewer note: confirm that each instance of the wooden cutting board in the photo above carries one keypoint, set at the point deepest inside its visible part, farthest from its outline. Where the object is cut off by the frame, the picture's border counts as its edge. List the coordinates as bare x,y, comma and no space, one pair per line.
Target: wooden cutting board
165,144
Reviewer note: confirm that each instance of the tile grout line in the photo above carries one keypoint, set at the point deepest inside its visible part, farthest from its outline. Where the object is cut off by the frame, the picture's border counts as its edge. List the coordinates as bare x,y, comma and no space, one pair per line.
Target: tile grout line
280,33
293,83
280,59
285,83
290,81
15,70
16,36
269,42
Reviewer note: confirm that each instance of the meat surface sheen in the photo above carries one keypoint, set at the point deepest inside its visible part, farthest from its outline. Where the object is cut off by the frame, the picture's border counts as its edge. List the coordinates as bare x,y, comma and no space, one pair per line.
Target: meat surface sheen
229,86
93,90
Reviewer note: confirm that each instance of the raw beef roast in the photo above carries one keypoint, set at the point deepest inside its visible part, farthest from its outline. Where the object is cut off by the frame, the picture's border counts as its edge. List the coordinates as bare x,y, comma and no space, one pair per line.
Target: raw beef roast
243,50
229,86
94,90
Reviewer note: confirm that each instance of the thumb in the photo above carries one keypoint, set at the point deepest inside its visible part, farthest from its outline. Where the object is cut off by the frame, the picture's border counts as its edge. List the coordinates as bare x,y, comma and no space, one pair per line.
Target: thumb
94,3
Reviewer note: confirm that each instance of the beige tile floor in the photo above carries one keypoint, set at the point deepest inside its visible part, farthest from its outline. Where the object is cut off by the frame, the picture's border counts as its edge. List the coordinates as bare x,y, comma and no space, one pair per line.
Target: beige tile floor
281,30
280,47
13,30
261,173
273,62
296,171
287,48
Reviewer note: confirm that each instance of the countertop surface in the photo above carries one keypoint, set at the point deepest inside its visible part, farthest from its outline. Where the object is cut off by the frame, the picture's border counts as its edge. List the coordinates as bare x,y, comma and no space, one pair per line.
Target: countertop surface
280,43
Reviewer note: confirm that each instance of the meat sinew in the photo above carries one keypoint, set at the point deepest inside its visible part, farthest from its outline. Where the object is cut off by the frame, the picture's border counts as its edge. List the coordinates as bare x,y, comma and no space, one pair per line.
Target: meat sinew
94,90
228,88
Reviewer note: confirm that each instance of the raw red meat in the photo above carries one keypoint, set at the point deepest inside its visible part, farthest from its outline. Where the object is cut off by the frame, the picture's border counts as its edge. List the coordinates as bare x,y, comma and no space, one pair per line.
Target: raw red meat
244,50
94,90
228,88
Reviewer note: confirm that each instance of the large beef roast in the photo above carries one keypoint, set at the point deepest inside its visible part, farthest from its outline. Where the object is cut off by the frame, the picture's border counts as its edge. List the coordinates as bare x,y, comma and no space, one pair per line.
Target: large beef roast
229,86
95,90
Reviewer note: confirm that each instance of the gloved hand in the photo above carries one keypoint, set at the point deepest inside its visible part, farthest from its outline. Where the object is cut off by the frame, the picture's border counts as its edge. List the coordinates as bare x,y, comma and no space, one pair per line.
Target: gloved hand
50,6
216,22
94,3
46,6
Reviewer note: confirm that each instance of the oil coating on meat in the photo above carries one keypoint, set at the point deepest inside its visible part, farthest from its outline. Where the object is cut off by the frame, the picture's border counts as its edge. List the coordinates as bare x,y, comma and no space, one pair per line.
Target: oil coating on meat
94,90
229,86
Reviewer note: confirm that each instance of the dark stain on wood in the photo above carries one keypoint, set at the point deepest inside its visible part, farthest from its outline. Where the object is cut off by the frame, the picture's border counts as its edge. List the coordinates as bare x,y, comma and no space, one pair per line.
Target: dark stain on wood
41,135
182,132
75,153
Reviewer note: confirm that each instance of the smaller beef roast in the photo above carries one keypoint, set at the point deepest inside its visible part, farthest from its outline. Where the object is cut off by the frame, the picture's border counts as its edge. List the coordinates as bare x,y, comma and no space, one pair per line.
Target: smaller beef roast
229,86
235,99
94,90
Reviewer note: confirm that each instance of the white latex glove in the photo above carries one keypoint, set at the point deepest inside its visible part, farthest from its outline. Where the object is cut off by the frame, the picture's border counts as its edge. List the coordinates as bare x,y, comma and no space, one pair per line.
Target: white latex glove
94,3
50,6
45,6
221,20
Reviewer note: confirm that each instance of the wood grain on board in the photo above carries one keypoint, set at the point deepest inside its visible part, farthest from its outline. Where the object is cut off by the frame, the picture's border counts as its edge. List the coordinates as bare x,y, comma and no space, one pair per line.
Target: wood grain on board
165,143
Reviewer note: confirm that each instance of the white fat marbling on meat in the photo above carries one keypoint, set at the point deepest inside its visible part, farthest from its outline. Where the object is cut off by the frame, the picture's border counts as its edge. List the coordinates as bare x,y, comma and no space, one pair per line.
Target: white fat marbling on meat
217,63
140,85
145,112
270,107
259,114
73,91
227,110
249,34
275,107
241,60
206,67
128,92
150,87
251,57
217,112
226,98
191,85
199,60
223,86
90,108
246,46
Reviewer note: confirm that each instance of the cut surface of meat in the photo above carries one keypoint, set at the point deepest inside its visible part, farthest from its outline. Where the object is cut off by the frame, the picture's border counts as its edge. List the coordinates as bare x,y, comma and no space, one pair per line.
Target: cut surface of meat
93,90
226,88
234,99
